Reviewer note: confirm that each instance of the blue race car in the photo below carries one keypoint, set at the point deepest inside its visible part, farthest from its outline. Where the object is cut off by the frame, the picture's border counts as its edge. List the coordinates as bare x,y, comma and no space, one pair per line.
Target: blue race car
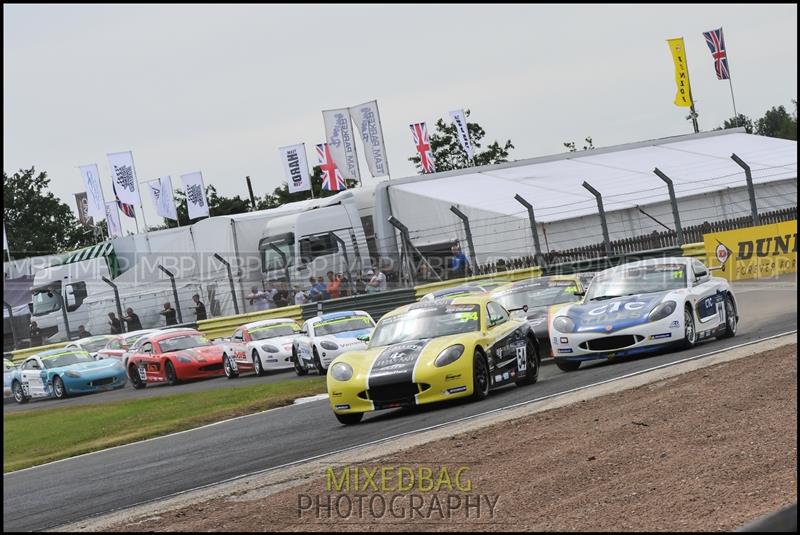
60,372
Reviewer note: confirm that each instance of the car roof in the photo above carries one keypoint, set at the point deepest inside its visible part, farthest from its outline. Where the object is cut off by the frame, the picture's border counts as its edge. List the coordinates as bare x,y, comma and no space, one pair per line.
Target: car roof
51,352
337,315
480,298
262,323
160,335
683,260
524,283
95,337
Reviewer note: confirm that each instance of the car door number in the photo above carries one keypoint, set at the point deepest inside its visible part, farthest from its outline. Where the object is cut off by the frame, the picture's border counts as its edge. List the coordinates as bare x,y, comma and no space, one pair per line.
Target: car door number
142,373
26,389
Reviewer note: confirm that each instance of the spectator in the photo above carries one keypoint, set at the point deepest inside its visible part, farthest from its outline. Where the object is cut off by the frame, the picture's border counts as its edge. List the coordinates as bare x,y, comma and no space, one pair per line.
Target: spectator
334,286
199,308
361,286
116,324
170,315
82,332
377,283
131,320
323,288
425,273
258,299
345,287
281,298
458,264
35,335
300,297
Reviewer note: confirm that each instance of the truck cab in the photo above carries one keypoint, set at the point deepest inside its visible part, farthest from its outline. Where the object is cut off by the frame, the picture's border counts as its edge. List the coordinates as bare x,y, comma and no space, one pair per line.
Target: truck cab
311,243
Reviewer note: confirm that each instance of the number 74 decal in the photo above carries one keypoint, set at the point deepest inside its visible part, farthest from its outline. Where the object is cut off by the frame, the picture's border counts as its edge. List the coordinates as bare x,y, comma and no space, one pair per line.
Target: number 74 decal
522,358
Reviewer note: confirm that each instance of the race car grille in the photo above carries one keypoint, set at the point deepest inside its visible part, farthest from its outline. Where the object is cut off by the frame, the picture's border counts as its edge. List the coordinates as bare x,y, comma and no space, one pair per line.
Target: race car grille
610,343
211,368
101,382
393,392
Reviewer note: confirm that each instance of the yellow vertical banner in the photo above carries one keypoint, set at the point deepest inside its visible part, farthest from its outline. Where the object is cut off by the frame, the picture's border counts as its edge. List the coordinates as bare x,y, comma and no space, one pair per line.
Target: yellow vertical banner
684,95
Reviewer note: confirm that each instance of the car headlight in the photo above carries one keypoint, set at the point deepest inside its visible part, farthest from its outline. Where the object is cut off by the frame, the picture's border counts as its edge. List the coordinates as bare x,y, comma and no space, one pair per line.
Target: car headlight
662,311
341,371
183,358
330,346
270,348
72,373
449,355
564,324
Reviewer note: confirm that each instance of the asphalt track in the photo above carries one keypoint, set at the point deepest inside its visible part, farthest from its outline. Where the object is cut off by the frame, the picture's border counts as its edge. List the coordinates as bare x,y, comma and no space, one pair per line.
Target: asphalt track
66,491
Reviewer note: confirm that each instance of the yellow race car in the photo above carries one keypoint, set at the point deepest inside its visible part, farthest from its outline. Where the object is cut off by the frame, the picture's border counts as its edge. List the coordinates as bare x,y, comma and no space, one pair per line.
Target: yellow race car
434,351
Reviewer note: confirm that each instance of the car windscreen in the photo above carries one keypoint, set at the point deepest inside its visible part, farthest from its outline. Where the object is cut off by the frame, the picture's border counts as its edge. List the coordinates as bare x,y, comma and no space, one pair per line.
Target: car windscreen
178,343
45,301
341,325
545,294
271,331
65,359
637,280
426,322
95,344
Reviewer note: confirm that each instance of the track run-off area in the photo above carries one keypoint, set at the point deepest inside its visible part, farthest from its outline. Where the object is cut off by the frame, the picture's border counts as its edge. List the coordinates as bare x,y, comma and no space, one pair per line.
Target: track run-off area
66,491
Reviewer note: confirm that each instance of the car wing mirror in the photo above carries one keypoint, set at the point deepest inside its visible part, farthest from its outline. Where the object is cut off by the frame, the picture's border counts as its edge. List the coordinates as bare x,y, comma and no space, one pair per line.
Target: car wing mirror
364,337
523,308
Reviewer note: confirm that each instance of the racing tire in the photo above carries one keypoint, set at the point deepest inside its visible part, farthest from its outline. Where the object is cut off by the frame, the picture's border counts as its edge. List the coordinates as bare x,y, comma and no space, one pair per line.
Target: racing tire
731,322
298,368
350,419
59,390
533,363
19,394
169,371
318,363
689,329
480,376
567,365
257,367
226,366
136,381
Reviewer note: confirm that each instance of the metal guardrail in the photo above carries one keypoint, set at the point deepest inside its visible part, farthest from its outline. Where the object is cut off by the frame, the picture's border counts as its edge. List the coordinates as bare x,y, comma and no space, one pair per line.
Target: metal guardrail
697,250
19,355
376,304
226,325
511,275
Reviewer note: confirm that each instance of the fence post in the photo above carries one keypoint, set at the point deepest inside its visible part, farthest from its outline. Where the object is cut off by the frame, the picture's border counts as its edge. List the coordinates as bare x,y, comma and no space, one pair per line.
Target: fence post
599,198
750,190
342,244
14,336
117,301
674,202
174,291
396,223
468,232
230,277
537,248
285,265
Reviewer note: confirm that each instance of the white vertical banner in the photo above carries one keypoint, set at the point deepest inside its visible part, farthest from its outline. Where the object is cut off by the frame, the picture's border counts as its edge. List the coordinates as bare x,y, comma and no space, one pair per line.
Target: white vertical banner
195,195
112,220
5,239
123,176
368,123
94,192
460,120
295,166
342,142
161,195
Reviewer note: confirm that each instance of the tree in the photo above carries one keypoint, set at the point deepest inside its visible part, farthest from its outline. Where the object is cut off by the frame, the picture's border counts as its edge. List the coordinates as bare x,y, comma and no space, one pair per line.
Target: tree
778,123
448,154
37,222
740,120
570,145
281,195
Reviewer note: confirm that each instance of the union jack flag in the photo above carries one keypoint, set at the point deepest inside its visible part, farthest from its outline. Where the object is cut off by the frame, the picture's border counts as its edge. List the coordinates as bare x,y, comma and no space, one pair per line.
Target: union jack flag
420,133
127,209
331,177
716,44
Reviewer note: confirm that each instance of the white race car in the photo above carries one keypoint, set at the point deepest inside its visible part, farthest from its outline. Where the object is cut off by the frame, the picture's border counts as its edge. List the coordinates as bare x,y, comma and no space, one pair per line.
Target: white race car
325,337
643,306
260,346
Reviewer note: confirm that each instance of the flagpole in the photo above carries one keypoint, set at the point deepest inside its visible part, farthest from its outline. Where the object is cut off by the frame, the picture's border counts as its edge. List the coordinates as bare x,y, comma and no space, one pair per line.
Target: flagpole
141,207
730,82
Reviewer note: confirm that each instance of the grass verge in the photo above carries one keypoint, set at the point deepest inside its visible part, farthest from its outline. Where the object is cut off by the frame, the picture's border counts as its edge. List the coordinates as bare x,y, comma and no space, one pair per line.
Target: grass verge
36,437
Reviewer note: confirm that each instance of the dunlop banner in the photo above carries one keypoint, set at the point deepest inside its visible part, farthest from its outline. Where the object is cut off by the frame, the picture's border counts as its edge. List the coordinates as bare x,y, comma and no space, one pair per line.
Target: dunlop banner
755,252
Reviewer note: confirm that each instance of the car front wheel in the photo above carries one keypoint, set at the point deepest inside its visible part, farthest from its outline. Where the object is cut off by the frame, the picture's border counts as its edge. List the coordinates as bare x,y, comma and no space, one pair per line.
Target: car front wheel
257,364
298,368
689,329
350,419
731,323
19,394
480,377
59,390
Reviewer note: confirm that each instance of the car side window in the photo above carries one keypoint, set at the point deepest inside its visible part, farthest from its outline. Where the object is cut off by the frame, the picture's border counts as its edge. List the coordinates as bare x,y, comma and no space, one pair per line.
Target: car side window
238,336
497,315
147,347
115,344
699,269
30,365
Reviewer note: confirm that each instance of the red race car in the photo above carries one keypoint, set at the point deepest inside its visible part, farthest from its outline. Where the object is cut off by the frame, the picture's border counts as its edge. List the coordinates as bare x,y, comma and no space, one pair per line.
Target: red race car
173,356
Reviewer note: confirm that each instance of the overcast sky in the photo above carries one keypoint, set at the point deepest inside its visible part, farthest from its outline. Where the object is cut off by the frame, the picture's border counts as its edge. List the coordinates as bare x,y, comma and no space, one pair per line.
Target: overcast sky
219,88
